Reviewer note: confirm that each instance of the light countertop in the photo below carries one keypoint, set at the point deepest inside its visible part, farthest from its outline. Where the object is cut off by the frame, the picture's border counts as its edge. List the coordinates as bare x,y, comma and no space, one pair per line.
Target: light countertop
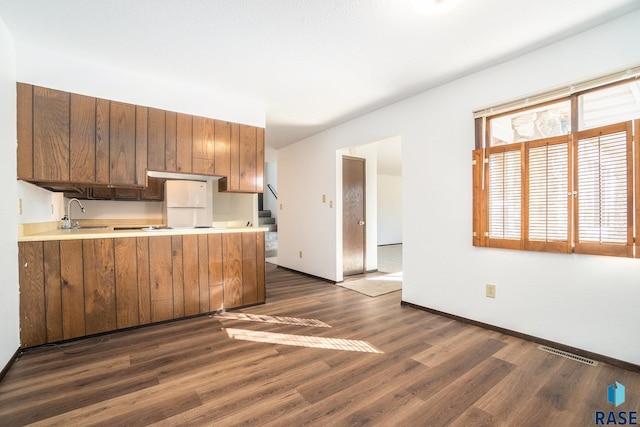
117,232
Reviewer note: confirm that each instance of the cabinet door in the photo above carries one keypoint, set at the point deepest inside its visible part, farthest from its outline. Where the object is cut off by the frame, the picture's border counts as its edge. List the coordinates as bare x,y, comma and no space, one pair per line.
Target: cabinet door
203,146
50,135
184,144
222,148
142,127
154,191
156,135
246,152
126,282
82,139
248,157
122,144
99,285
103,113
232,262
32,299
72,293
249,269
170,146
25,131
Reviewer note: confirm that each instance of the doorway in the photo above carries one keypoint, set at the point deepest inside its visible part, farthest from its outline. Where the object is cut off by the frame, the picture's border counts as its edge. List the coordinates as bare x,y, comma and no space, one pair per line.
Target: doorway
353,215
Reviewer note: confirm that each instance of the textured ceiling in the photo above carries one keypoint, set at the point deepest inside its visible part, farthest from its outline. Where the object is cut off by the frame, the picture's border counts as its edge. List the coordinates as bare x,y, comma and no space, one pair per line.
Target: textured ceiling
313,63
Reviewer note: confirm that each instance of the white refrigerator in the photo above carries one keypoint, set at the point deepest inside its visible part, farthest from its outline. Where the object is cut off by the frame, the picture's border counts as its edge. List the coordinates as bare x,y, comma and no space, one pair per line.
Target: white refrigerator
187,204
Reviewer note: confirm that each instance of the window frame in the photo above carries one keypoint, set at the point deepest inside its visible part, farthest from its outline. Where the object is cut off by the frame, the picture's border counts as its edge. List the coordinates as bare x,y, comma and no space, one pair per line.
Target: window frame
481,170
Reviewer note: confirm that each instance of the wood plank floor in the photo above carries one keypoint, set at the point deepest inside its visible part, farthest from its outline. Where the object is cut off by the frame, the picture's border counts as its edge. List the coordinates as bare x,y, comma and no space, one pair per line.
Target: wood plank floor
357,361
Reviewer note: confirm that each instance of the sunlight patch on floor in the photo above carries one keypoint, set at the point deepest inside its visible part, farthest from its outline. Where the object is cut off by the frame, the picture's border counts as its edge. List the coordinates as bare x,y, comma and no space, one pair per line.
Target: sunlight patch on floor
273,319
301,340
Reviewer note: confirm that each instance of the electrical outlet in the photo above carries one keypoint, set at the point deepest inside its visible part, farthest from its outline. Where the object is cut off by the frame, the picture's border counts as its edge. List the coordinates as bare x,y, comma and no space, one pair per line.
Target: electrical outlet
491,290
331,204
324,198
300,254
19,206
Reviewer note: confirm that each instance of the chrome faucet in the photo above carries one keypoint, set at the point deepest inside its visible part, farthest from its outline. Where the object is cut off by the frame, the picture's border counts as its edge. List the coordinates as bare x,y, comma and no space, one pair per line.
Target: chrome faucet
66,219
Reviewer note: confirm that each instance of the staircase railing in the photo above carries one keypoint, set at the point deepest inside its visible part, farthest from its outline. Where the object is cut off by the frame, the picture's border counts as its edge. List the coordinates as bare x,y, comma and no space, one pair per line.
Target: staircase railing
273,191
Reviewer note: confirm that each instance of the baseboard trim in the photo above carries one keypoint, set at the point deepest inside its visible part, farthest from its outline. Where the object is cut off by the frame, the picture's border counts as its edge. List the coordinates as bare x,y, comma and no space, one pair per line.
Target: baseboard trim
580,352
10,363
307,274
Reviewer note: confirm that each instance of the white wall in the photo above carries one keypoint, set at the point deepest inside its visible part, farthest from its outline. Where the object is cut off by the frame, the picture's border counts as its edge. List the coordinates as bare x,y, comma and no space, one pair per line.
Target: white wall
49,69
9,297
389,209
589,302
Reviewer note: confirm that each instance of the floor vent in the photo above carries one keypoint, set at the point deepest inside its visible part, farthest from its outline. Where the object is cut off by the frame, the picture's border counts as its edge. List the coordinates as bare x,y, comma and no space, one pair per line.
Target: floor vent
568,355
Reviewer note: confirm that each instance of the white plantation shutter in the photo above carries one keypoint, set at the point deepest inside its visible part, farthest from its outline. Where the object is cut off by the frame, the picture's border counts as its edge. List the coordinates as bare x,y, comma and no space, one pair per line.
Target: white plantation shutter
603,181
505,197
547,204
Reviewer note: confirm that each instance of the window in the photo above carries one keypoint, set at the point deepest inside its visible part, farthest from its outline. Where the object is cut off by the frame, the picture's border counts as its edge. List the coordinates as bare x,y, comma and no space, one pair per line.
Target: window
541,186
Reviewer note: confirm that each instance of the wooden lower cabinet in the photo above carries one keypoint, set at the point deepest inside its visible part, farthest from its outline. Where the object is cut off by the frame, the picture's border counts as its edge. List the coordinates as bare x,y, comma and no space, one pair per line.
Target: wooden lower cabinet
75,288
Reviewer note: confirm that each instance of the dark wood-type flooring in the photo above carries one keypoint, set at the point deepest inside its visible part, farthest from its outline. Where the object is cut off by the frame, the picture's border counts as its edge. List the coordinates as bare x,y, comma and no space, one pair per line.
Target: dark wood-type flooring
430,371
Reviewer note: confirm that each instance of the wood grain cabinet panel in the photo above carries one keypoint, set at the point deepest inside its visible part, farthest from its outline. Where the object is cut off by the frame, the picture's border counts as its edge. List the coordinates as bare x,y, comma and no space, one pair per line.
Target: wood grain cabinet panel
246,152
216,272
203,273
66,138
249,269
171,141
126,283
203,151
53,291
191,275
72,292
160,278
184,143
142,128
222,148
24,113
99,285
177,264
50,135
82,139
232,249
103,126
32,295
122,144
156,134
144,284
74,288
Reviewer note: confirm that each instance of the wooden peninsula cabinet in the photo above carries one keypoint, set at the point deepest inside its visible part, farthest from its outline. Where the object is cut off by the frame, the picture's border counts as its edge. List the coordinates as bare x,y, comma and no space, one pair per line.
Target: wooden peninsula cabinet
66,139
77,287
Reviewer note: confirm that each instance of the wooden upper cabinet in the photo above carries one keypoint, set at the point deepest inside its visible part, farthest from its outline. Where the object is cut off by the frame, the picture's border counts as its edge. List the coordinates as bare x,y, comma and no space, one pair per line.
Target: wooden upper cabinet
171,141
122,146
25,131
82,139
156,135
50,135
222,148
203,151
246,172
184,143
66,138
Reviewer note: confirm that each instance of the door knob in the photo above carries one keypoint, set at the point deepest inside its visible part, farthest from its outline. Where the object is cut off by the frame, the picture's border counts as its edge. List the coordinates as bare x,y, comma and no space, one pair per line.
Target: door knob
360,222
